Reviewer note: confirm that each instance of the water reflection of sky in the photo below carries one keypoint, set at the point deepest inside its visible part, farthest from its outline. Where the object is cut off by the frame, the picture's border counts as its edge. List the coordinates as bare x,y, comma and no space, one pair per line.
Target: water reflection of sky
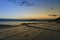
20,22
17,22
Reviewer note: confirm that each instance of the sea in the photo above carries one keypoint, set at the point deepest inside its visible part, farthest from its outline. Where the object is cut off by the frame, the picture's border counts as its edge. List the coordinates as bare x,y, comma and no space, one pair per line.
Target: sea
20,22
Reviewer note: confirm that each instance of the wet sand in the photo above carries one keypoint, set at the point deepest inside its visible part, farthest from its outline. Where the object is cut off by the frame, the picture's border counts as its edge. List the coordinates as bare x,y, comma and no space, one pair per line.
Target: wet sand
32,31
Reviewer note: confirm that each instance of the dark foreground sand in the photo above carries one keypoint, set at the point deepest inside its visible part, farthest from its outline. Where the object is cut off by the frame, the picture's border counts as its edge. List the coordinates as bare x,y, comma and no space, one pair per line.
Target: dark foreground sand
37,31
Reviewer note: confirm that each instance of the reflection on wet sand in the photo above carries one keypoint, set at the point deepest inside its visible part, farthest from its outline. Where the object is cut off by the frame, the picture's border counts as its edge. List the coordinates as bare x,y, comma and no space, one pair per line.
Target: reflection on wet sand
30,31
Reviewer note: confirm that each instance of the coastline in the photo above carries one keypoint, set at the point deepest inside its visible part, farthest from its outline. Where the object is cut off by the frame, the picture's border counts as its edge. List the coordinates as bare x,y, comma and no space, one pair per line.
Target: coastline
27,31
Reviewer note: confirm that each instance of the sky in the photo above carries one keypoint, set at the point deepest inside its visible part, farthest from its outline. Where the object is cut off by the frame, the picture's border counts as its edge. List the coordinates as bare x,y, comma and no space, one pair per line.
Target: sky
31,9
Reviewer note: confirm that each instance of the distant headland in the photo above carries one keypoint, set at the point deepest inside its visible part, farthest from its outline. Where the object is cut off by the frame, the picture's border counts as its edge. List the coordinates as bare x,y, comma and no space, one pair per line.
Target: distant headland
57,20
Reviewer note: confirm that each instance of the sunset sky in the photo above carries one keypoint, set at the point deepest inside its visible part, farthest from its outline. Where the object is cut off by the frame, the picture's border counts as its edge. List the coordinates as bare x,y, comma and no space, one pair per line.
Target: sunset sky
40,10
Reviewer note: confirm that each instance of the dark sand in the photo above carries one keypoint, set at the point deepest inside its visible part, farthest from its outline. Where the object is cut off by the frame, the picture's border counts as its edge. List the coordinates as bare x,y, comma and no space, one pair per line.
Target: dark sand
31,31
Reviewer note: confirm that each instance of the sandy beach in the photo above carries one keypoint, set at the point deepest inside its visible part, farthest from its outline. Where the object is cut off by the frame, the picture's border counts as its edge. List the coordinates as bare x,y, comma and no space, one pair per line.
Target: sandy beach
32,31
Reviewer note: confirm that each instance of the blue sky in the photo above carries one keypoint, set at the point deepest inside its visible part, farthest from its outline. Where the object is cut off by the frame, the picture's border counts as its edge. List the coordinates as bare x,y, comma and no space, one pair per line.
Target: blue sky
41,9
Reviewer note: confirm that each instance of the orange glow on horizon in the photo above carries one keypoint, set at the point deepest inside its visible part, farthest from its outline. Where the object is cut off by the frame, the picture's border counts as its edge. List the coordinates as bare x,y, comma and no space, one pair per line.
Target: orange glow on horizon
38,17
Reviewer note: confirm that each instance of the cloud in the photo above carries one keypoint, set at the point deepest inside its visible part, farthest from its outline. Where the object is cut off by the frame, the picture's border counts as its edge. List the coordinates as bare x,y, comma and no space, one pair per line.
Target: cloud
51,8
53,15
23,3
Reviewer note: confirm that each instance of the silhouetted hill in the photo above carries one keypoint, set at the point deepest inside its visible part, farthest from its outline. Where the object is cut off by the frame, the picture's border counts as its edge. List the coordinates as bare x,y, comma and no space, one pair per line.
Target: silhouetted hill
10,19
19,20
57,20
47,20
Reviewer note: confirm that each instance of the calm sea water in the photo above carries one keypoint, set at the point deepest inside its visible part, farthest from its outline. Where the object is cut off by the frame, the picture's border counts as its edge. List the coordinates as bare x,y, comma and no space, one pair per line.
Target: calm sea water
18,22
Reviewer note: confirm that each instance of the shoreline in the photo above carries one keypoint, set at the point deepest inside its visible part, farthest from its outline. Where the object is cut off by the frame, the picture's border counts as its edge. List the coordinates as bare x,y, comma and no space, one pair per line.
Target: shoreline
10,26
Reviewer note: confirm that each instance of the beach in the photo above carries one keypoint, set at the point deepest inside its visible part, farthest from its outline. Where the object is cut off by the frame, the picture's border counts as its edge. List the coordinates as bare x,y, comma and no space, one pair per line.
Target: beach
31,31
